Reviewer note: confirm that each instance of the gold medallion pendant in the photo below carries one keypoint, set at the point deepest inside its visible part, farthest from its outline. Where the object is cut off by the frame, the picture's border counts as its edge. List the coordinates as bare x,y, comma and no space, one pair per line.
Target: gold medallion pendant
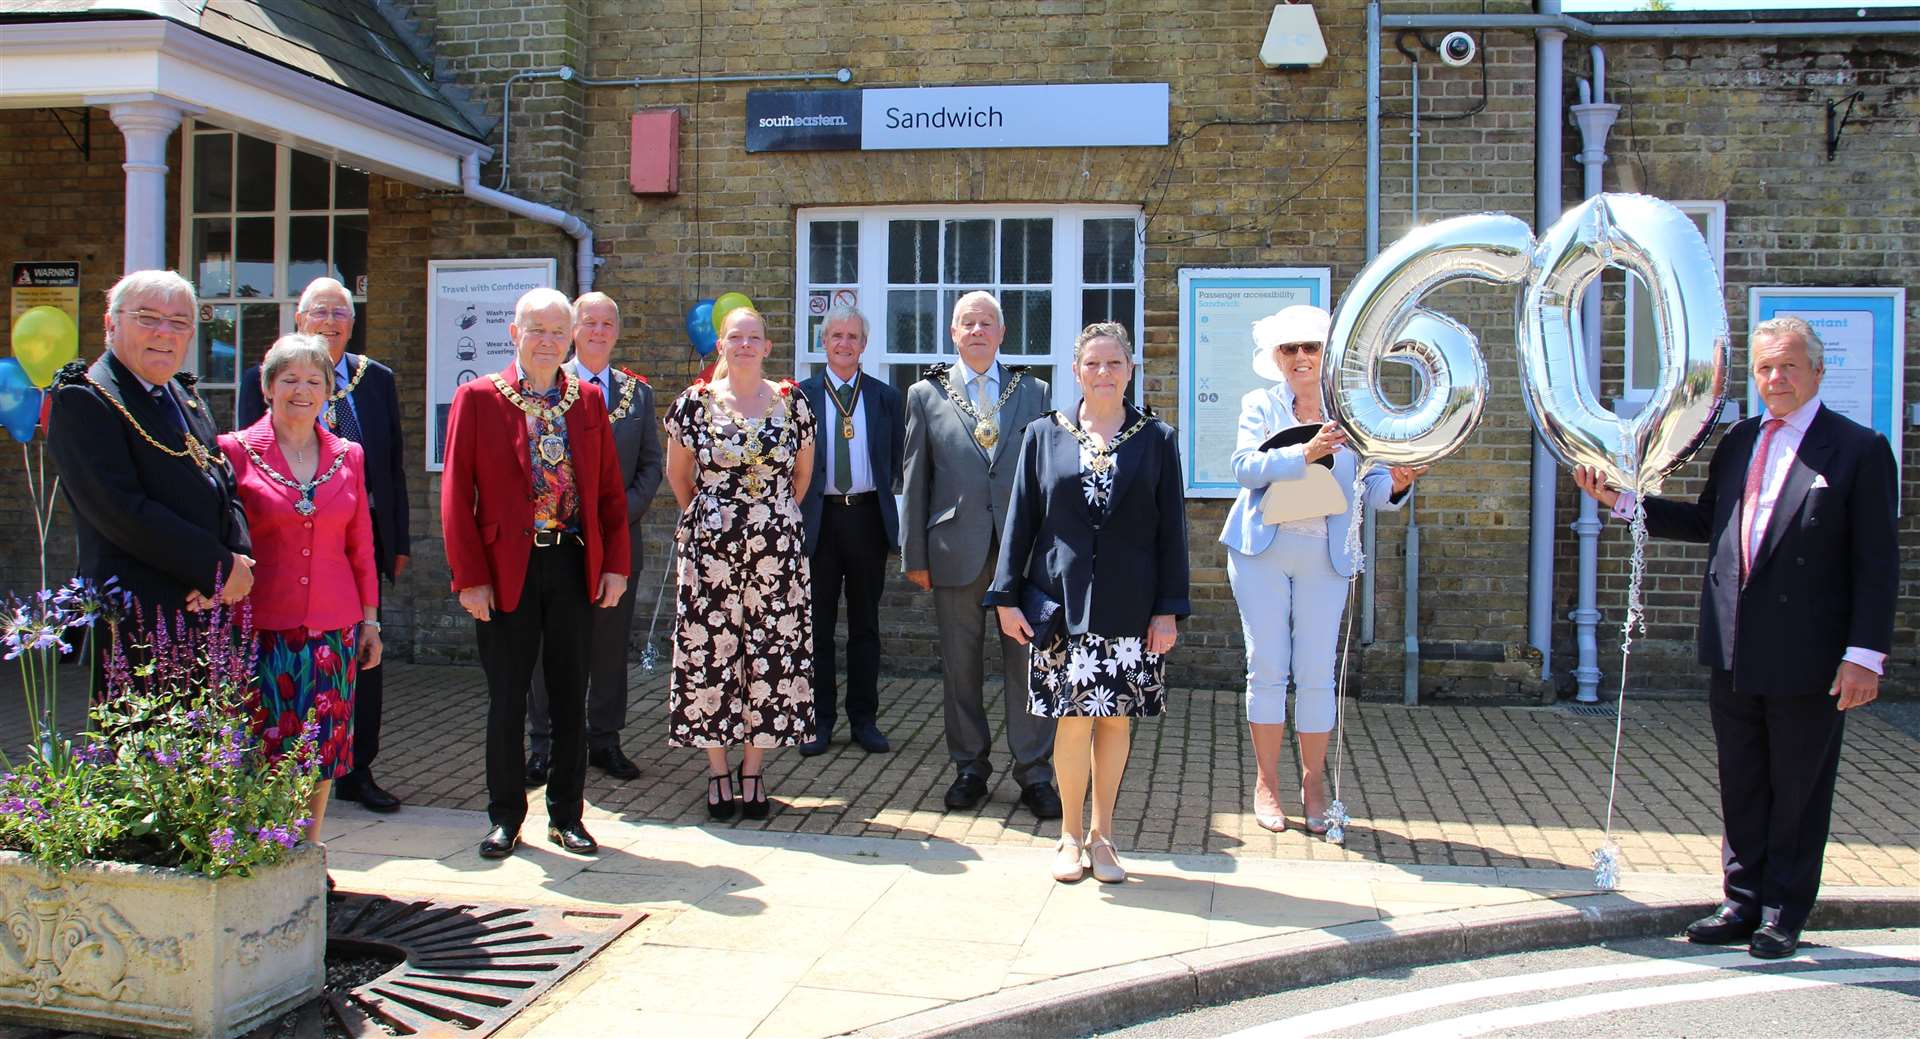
986,433
553,449
1100,463
846,427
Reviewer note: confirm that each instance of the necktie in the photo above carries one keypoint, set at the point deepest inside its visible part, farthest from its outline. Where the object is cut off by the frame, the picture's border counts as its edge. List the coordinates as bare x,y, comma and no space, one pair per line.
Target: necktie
174,416
842,445
1750,500
345,422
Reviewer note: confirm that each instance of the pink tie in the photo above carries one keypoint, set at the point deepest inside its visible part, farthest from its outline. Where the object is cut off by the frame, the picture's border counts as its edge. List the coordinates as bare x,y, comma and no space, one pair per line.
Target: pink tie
1750,501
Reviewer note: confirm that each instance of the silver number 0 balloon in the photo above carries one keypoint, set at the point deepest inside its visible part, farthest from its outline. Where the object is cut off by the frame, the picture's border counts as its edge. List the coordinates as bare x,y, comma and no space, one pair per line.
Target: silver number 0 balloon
1380,319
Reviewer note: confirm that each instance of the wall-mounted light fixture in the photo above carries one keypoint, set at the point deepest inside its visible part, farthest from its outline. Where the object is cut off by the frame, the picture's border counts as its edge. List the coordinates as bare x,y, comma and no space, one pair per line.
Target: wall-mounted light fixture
1293,39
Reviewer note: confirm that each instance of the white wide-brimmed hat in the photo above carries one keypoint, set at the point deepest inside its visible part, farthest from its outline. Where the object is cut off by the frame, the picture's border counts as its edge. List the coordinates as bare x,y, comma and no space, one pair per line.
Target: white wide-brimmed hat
1300,323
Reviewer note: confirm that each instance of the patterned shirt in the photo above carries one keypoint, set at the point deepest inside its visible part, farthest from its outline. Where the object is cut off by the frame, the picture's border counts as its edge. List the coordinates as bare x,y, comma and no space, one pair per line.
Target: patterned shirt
556,495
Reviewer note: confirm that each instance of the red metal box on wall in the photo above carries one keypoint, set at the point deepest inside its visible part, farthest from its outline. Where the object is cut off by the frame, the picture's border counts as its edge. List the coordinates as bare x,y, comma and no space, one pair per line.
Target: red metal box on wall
654,166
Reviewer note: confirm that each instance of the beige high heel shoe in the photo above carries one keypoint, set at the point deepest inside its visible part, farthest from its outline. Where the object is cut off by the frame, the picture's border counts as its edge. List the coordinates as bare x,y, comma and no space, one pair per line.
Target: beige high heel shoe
1069,860
1106,867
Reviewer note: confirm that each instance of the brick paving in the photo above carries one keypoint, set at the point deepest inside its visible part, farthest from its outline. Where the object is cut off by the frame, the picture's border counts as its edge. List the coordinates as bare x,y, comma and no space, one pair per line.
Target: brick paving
1521,787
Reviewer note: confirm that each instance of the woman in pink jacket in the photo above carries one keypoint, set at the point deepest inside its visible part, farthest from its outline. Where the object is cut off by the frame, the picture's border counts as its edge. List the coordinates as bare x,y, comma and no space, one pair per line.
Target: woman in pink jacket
315,596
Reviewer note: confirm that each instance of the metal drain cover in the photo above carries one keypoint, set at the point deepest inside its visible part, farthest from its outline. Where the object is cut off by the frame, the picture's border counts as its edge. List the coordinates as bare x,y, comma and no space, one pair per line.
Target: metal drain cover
466,968
1596,710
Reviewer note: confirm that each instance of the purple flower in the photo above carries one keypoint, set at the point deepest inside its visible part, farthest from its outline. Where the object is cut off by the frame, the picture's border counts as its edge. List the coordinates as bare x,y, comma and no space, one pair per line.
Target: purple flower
95,754
165,758
284,836
27,806
222,839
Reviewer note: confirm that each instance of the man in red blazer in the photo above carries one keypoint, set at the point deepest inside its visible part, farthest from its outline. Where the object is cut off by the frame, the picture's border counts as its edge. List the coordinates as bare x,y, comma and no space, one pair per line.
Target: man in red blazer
1796,622
535,519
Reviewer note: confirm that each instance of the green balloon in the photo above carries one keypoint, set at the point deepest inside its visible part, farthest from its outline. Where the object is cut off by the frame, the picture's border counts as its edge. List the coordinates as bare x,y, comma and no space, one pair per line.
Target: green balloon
728,302
44,338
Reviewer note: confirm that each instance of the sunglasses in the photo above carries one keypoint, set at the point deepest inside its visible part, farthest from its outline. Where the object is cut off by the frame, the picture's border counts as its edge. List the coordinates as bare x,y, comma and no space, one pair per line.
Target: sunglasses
1310,349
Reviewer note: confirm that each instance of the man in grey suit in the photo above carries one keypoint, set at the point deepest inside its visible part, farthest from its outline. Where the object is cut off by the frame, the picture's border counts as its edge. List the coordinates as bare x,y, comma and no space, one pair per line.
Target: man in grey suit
851,523
596,327
964,423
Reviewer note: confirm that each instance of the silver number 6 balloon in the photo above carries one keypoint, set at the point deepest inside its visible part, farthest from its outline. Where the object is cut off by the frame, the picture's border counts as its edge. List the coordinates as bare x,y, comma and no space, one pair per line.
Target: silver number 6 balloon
1380,319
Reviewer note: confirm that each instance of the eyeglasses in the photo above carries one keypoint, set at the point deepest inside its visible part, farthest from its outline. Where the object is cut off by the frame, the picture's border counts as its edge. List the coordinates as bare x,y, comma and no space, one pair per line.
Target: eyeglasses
1310,349
323,313
153,322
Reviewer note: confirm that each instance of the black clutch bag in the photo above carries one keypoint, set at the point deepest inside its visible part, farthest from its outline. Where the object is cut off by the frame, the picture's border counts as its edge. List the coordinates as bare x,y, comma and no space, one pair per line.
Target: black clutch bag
1043,614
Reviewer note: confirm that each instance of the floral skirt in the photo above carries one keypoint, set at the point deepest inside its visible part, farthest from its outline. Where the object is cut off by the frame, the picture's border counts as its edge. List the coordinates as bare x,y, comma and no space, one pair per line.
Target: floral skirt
1094,676
302,672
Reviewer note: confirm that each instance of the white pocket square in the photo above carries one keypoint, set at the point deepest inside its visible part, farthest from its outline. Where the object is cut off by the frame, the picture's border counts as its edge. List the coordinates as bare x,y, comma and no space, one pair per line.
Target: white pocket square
1819,481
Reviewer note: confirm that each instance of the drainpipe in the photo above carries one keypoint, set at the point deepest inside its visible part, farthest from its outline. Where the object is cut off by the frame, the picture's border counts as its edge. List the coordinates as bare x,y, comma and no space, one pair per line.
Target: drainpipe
1373,249
573,225
1595,118
1410,612
1545,472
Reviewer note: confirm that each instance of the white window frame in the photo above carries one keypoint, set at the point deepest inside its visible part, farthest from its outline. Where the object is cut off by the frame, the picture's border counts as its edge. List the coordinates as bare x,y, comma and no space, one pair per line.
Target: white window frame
1066,286
1635,394
287,296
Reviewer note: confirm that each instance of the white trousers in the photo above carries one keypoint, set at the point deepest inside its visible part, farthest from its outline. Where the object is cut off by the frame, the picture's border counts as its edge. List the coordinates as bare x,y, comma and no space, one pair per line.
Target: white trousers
1290,604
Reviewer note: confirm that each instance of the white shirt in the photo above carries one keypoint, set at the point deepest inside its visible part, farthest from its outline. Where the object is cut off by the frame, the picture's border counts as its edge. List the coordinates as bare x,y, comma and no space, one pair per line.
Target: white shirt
1781,452
981,389
605,375
862,463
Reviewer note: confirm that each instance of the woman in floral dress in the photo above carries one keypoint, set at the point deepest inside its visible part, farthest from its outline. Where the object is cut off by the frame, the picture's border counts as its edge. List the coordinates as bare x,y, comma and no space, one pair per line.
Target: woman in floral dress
1093,573
743,635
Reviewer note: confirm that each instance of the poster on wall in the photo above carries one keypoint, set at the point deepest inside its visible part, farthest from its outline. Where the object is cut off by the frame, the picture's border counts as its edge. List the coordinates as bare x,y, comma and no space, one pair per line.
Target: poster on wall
46,283
469,305
1218,307
1865,334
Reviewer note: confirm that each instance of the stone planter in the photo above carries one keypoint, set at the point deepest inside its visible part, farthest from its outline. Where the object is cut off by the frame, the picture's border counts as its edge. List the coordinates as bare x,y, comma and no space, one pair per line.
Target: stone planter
141,950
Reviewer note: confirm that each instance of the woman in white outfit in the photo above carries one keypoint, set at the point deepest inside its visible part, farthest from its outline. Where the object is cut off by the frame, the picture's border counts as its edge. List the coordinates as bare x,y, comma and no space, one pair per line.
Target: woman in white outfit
1290,578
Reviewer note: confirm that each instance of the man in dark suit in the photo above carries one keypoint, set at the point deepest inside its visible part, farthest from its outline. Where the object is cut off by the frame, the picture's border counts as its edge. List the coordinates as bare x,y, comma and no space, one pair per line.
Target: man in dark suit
534,514
152,497
1796,620
365,408
851,523
636,436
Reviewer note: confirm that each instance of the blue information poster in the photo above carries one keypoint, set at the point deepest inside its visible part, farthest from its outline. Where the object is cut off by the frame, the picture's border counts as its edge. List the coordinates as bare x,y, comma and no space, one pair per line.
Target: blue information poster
1864,331
1218,307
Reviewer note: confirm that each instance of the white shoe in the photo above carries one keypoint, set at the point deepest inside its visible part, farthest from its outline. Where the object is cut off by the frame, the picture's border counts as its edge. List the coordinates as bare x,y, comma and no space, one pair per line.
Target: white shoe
1106,867
1069,860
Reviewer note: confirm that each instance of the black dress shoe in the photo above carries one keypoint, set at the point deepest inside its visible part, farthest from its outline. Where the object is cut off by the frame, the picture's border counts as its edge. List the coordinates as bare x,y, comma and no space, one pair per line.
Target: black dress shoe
967,791
1041,799
574,838
1722,928
870,739
614,762
359,787
499,843
538,765
816,746
722,801
1773,942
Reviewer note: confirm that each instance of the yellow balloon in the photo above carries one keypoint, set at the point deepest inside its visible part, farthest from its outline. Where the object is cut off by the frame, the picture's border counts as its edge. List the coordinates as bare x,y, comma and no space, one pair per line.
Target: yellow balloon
729,301
44,338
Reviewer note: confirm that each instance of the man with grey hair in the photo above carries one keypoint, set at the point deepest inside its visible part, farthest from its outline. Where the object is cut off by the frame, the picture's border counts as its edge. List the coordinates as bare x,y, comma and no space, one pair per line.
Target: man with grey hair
964,424
153,499
364,407
1796,621
534,515
851,524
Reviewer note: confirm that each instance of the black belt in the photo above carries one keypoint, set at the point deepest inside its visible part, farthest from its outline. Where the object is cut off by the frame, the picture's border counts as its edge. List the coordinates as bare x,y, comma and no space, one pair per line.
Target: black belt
851,499
555,538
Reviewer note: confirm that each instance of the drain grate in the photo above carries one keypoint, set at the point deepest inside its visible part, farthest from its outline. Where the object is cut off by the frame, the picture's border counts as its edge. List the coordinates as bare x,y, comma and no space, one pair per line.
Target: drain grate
465,968
1594,710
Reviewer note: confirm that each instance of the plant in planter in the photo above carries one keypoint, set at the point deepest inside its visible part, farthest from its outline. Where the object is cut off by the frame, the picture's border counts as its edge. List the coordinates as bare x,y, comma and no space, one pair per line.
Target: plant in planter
154,880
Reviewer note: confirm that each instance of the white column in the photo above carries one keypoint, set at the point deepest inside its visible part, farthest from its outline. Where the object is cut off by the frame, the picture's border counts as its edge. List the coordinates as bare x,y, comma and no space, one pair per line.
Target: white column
146,125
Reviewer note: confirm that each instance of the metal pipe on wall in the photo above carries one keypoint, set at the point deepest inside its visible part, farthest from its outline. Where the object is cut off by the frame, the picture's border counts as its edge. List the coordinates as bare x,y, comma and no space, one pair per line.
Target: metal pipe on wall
1649,30
1595,117
572,225
1373,249
1410,591
1548,45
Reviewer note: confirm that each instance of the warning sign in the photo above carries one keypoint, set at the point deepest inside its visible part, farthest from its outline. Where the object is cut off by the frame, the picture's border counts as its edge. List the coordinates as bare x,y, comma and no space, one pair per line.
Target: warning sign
52,283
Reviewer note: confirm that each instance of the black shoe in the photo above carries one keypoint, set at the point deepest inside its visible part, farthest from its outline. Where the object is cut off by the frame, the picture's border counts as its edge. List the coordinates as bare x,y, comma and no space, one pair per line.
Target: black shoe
538,765
870,740
574,838
1773,942
721,800
754,806
614,762
499,843
967,791
359,786
1722,928
1041,799
816,746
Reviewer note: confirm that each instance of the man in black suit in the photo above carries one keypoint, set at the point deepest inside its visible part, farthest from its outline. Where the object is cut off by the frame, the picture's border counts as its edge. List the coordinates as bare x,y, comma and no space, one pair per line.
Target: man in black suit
1796,620
365,407
636,438
152,497
851,523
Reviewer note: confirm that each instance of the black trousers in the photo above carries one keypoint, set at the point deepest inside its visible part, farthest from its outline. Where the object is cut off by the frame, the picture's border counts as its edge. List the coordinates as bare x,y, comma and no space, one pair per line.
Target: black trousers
606,681
551,627
851,555
1778,759
369,685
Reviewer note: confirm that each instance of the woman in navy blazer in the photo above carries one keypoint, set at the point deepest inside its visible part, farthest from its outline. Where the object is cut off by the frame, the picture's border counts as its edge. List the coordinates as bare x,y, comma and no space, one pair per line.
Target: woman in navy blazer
1290,579
1097,528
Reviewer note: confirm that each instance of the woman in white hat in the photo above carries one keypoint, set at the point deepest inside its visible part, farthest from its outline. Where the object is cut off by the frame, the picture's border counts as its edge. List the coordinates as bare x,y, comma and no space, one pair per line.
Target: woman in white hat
1287,559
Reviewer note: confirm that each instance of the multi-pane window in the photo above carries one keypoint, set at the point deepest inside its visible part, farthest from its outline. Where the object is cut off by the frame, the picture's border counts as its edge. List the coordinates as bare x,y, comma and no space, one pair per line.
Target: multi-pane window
1053,268
260,222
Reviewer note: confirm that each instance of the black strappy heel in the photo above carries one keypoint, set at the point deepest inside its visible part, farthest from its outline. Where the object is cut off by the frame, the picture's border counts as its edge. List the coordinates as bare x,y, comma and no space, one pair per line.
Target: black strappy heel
754,807
722,803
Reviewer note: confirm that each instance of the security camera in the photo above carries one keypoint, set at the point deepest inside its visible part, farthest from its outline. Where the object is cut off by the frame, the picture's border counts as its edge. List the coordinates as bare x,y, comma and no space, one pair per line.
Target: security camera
1457,49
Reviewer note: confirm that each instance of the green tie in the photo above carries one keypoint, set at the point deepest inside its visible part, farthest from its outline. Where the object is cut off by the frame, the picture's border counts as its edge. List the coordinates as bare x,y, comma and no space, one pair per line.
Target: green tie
842,446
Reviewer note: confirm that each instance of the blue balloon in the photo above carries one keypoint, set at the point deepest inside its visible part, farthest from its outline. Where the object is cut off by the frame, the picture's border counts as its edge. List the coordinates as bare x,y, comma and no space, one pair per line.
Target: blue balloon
700,327
19,400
